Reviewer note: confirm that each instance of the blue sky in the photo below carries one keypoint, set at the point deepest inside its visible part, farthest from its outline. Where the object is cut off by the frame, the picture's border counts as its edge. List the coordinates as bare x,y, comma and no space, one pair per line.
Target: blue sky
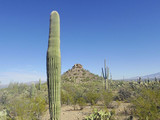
125,32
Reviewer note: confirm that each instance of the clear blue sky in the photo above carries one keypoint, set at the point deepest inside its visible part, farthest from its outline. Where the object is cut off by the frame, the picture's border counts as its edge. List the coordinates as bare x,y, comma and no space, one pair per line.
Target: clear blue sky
125,32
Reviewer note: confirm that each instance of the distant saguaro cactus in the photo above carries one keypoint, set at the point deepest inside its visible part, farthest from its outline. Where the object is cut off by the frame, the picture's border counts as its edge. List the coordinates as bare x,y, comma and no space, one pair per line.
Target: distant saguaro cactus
103,80
148,81
111,78
54,67
32,90
155,79
108,77
105,73
139,80
39,87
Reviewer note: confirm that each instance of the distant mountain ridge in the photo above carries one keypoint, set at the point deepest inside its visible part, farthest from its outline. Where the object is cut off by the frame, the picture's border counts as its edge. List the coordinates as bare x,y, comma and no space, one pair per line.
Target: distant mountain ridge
3,86
27,83
150,76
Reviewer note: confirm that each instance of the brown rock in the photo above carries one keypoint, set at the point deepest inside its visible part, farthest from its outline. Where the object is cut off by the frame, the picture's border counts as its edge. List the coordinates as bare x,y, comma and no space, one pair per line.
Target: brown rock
77,66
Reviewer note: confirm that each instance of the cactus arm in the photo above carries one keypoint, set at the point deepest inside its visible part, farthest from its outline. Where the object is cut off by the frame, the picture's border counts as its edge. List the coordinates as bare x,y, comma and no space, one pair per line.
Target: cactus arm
102,73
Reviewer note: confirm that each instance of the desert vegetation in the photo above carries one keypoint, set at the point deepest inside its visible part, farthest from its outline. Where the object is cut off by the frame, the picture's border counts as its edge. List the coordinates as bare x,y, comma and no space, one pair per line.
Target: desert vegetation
30,102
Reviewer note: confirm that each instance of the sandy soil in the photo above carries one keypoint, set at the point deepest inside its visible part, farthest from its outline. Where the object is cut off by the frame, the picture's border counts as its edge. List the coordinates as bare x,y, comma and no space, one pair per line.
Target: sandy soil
68,112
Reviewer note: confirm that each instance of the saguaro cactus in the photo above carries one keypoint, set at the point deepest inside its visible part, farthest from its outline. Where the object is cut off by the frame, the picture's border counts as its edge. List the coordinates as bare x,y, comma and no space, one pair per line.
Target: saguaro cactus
32,90
156,79
39,85
139,80
111,77
54,67
105,75
108,77
103,80
111,82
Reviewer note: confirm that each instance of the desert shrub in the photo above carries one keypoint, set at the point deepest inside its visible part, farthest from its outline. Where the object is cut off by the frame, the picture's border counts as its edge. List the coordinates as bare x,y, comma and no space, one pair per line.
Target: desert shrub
63,97
21,88
66,98
37,106
81,102
32,90
92,97
72,94
3,115
147,104
4,97
107,97
17,108
76,95
123,94
85,79
27,109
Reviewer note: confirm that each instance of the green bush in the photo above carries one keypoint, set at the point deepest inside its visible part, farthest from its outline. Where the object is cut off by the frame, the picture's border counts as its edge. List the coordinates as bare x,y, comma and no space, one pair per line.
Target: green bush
147,104
4,97
27,109
92,97
107,97
66,98
81,102
123,94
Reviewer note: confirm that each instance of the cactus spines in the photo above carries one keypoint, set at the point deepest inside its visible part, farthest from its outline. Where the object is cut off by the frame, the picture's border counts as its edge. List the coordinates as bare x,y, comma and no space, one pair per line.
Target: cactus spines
54,67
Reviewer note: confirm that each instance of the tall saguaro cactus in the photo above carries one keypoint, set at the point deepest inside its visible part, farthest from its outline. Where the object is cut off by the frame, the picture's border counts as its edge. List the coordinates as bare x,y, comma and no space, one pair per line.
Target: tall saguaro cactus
105,75
108,78
54,67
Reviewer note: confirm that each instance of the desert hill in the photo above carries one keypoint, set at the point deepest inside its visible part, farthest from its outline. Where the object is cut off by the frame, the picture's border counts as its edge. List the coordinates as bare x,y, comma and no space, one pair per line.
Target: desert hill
78,74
